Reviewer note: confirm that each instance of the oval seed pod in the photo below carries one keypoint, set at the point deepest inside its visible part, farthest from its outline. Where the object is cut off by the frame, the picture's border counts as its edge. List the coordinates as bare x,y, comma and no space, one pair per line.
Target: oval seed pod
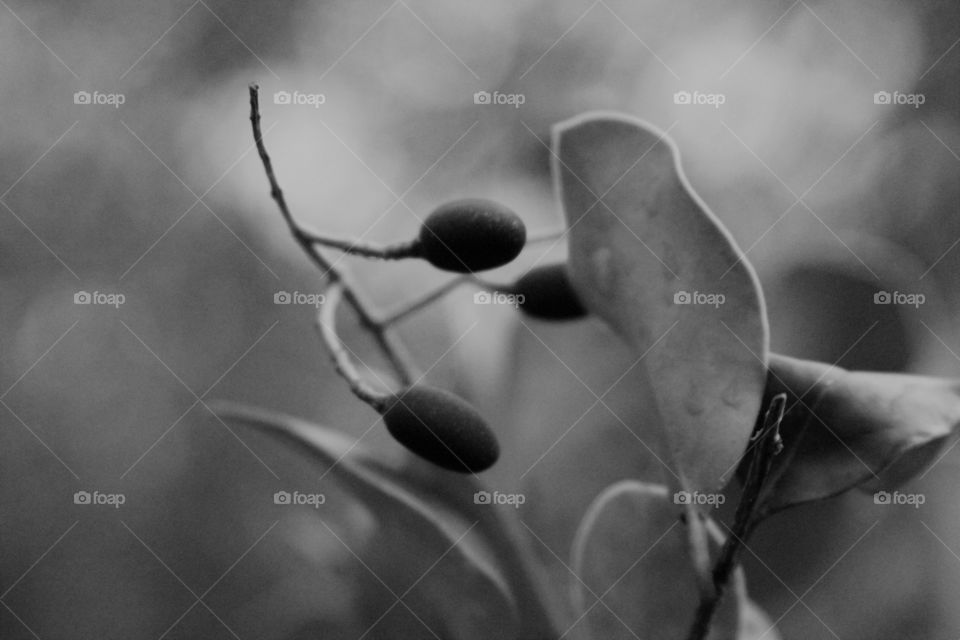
441,428
548,294
471,235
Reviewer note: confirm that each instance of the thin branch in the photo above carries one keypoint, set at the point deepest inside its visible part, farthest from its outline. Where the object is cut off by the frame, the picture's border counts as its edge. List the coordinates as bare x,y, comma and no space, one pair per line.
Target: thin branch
399,359
545,236
397,251
750,512
327,324
409,308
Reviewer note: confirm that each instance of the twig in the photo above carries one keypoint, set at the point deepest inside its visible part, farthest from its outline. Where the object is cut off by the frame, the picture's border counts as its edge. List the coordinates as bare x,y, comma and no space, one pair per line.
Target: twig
409,308
399,359
327,324
398,251
750,512
544,236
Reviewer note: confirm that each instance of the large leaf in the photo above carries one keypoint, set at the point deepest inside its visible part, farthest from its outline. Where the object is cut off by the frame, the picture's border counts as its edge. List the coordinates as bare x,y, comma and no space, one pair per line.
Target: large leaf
631,552
844,429
472,592
639,236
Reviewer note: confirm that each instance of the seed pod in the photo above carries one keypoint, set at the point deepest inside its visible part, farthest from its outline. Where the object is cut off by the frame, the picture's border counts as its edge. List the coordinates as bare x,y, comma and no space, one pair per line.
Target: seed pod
548,294
471,235
441,428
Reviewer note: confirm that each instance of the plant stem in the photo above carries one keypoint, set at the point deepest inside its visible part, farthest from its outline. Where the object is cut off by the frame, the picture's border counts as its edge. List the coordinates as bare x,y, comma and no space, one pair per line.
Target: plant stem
722,571
410,307
544,236
388,342
750,512
327,324
398,251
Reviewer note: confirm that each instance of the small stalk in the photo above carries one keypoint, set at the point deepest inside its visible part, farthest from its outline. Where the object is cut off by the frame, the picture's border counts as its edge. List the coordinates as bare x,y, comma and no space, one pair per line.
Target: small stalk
388,342
398,251
327,325
750,512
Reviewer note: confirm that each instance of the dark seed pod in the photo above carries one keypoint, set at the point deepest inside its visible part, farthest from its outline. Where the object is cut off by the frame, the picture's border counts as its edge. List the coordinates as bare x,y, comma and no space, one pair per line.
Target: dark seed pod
441,428
471,235
548,294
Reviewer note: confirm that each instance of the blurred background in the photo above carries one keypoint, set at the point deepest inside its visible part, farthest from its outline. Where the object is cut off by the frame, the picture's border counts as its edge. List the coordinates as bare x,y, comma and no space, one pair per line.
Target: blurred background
823,134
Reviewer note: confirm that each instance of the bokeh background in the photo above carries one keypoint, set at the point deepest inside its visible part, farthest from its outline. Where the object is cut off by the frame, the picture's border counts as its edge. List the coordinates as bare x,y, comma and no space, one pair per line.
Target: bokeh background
834,194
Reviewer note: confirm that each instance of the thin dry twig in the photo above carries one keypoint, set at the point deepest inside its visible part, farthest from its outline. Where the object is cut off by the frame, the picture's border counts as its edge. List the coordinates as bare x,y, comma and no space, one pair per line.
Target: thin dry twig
386,339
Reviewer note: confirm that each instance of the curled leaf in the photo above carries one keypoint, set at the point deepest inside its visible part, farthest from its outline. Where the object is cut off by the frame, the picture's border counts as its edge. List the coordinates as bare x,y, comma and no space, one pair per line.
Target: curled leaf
844,429
635,576
648,256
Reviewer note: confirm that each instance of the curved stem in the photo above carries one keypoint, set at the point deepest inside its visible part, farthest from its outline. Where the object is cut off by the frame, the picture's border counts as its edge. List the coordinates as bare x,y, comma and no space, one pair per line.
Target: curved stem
327,324
390,345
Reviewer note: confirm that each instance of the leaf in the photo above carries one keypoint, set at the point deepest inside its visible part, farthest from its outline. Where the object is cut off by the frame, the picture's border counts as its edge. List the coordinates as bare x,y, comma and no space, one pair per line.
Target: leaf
755,624
846,429
631,552
468,594
508,540
639,236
